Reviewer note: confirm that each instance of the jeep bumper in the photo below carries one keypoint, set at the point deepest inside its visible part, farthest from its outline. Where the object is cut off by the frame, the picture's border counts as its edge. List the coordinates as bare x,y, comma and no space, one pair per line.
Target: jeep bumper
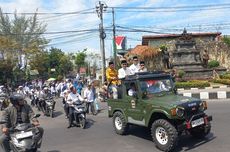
195,122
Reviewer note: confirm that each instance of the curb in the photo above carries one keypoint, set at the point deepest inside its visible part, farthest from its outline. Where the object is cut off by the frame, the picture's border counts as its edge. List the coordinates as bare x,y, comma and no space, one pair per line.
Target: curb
213,87
208,95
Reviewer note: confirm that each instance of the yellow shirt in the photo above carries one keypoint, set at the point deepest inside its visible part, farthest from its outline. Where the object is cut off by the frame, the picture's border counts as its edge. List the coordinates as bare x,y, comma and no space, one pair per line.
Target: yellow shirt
112,74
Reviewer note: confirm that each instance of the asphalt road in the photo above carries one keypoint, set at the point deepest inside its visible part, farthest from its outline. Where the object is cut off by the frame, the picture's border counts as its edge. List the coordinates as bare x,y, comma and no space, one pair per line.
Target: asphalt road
99,135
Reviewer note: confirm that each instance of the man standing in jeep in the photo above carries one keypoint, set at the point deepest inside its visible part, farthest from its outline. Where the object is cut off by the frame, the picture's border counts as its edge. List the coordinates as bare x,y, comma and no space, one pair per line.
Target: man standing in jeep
112,79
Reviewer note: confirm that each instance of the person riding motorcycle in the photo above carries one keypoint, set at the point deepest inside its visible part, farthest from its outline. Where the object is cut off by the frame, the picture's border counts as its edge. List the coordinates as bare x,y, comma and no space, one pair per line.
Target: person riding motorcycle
73,97
45,94
19,112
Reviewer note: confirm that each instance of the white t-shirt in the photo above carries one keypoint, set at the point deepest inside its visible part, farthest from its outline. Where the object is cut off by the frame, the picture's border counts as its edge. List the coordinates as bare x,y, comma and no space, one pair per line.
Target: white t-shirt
134,68
73,98
123,72
52,89
144,70
88,94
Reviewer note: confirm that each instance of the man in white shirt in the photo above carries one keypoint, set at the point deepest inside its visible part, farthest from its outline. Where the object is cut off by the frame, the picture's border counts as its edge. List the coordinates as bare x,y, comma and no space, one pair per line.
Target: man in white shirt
135,66
124,71
72,98
89,96
142,67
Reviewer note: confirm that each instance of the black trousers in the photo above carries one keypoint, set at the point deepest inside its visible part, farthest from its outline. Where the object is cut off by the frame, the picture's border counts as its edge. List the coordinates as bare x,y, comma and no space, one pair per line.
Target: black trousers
71,116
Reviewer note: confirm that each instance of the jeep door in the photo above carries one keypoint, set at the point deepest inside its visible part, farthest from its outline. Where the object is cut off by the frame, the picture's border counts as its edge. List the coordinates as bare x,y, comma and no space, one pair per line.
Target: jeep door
135,111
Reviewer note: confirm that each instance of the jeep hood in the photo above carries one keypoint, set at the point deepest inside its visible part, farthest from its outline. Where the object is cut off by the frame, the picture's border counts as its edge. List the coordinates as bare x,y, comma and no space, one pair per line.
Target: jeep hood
172,100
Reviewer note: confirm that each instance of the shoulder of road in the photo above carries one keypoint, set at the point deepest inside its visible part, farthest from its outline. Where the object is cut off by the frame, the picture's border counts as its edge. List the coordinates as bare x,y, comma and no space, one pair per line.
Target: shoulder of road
213,92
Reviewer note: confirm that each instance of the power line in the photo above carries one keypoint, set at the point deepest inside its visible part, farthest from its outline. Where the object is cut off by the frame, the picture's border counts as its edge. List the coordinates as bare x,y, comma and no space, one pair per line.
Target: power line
75,40
127,29
176,7
54,13
68,36
57,32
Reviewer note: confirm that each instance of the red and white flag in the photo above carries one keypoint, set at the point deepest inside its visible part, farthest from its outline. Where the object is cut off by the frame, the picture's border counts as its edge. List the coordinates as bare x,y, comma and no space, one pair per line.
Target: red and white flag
120,42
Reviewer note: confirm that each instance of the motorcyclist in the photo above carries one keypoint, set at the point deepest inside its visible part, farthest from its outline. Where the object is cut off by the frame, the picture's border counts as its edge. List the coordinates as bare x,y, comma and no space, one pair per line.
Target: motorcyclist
32,97
18,112
73,97
45,94
20,90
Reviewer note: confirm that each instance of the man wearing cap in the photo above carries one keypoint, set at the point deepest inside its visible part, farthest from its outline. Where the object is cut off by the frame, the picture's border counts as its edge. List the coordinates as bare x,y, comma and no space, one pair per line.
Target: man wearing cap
112,78
135,66
20,90
142,67
124,71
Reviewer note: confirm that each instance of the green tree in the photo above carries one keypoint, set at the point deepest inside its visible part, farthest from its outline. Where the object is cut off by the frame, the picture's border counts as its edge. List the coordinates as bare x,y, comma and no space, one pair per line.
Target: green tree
59,61
80,59
65,65
27,32
40,62
20,35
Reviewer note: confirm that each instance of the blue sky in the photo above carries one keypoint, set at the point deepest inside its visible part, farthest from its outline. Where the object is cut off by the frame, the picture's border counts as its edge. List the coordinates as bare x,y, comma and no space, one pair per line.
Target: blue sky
195,19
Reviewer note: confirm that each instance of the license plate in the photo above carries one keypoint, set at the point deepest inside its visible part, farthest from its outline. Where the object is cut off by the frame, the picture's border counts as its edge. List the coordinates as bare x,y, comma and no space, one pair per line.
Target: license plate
24,135
197,122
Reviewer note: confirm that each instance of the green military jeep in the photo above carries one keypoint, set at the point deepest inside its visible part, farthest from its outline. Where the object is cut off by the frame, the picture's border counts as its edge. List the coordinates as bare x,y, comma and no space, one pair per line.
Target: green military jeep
150,99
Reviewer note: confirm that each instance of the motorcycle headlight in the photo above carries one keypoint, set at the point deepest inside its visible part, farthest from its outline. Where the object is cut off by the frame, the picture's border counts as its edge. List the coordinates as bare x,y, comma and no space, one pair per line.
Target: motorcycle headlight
180,111
203,106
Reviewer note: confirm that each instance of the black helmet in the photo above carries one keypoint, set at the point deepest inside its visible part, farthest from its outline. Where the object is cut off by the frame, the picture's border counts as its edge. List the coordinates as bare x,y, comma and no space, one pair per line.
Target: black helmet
15,98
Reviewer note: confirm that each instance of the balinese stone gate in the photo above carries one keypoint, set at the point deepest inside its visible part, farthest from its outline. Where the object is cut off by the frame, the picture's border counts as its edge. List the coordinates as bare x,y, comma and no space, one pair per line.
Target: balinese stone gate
217,50
186,55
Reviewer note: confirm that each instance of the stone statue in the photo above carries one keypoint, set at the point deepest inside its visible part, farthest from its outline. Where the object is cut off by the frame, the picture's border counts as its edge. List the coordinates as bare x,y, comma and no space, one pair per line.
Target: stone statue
165,57
205,58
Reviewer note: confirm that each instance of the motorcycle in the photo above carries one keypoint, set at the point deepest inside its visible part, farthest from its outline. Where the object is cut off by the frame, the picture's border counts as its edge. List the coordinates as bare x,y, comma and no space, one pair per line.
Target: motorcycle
49,110
22,137
79,114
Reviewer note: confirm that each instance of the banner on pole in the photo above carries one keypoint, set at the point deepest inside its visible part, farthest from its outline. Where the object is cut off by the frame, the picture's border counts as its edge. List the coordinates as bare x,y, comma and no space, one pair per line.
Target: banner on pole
120,42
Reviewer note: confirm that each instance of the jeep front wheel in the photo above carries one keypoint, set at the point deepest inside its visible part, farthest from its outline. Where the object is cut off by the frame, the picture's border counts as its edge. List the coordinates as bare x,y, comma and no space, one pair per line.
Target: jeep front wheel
164,135
119,123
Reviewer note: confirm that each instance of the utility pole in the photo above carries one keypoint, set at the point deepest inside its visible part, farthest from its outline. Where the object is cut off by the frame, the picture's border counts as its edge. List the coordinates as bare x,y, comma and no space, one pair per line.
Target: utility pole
100,8
114,40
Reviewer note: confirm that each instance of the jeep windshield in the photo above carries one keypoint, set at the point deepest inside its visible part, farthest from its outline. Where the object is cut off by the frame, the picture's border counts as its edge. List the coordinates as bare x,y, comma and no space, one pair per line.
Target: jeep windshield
156,86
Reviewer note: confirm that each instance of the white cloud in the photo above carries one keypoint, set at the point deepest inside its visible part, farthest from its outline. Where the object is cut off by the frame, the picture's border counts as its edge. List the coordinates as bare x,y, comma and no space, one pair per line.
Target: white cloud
91,21
21,5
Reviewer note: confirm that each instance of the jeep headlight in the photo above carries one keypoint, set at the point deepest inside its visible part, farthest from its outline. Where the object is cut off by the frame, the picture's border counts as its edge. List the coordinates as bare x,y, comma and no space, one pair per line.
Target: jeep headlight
203,106
180,111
